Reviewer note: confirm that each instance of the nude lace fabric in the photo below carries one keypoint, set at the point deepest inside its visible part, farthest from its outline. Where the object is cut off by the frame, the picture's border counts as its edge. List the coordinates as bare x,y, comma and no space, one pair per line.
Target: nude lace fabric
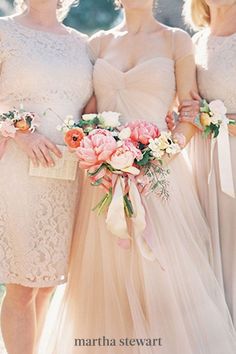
50,74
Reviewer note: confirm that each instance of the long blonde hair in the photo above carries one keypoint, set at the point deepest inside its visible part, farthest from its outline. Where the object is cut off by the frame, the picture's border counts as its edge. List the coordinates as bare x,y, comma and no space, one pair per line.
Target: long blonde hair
62,9
197,13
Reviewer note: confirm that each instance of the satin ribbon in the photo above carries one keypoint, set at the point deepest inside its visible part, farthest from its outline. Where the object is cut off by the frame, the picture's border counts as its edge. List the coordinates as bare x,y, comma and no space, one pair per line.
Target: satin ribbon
116,220
3,144
224,159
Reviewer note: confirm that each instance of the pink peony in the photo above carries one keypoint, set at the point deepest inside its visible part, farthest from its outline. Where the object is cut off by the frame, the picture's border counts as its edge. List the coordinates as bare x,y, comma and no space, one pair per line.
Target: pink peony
142,131
129,145
96,148
123,158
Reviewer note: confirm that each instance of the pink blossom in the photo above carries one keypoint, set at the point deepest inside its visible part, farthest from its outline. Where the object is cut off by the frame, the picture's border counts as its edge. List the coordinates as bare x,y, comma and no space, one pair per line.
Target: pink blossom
142,131
96,148
122,159
7,129
129,145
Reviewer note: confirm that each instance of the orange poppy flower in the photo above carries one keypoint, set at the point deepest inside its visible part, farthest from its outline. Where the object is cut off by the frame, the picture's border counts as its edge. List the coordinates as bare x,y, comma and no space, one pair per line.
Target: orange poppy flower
22,125
73,137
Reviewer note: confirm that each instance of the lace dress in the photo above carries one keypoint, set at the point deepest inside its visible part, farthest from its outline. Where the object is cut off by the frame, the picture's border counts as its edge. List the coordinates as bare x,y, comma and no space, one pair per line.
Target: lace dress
216,64
42,71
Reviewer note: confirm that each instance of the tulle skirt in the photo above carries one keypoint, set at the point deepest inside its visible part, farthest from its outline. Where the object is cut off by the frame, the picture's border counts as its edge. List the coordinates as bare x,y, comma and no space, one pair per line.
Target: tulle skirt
115,298
220,211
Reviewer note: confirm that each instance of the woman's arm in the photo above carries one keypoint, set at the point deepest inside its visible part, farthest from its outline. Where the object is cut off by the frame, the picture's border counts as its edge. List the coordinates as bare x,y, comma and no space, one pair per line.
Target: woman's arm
91,106
185,84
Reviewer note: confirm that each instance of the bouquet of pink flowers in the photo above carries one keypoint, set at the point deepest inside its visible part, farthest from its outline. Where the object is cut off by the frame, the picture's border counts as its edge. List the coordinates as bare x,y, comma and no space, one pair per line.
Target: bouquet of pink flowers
109,150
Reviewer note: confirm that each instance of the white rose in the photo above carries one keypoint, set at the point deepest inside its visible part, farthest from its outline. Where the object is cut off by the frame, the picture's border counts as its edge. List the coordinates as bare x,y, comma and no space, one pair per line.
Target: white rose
124,133
110,119
173,149
216,119
69,119
217,107
156,151
90,116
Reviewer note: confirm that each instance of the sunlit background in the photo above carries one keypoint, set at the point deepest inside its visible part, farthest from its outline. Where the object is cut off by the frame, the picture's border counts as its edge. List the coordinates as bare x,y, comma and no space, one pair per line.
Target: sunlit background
92,15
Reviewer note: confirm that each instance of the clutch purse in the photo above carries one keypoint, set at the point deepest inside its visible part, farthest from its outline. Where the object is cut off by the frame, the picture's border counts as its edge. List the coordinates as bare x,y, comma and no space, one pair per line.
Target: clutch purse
65,167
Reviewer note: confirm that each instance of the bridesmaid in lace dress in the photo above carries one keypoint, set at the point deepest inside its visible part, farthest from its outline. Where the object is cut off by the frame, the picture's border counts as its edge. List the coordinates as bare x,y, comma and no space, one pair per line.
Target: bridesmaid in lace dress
44,65
216,72
168,297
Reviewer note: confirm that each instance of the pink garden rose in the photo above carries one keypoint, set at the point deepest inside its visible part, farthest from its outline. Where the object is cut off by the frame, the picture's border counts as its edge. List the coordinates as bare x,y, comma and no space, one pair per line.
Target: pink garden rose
123,158
129,145
142,131
96,148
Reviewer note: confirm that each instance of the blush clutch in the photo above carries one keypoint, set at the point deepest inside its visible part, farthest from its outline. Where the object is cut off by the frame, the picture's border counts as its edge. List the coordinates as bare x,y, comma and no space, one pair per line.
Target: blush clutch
65,167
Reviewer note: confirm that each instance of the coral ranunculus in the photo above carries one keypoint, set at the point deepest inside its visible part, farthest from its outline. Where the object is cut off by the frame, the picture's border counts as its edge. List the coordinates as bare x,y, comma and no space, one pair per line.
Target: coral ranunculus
96,148
22,125
74,137
142,131
205,119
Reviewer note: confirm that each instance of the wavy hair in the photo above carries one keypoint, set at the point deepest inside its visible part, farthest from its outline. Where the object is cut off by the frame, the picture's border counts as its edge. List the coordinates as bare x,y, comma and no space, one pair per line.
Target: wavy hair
62,9
197,14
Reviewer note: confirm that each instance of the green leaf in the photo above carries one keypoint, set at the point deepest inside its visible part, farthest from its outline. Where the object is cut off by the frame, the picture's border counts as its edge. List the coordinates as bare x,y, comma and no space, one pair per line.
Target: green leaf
146,158
104,203
129,211
92,174
97,183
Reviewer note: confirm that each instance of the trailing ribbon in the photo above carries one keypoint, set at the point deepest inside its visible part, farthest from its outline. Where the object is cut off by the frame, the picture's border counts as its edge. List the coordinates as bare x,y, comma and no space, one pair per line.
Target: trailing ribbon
116,219
3,144
224,159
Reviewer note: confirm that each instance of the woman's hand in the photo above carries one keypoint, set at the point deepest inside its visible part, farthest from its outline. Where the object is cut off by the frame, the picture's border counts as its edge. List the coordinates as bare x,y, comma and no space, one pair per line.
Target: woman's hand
170,121
232,130
189,109
37,148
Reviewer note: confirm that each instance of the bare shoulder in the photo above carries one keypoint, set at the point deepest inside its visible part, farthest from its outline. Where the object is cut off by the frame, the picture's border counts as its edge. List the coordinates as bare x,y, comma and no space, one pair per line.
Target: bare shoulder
180,35
103,36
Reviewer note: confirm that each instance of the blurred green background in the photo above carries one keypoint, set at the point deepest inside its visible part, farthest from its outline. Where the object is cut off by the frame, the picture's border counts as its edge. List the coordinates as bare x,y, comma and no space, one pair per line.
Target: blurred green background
92,15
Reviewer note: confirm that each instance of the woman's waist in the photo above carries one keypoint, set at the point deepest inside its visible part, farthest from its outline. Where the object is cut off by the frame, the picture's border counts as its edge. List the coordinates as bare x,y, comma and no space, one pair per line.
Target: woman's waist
58,109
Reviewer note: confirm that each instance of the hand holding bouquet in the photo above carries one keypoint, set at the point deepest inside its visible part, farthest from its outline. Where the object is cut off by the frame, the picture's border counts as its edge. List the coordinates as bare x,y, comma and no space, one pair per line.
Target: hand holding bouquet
13,121
125,160
212,116
106,149
17,120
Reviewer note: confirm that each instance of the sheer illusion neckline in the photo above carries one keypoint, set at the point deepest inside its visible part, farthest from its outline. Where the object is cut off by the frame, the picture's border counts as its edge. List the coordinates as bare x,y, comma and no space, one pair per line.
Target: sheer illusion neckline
137,66
217,37
41,31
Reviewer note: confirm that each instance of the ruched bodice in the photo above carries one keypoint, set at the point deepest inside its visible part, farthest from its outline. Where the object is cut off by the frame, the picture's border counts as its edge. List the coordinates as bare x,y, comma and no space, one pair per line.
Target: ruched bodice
144,92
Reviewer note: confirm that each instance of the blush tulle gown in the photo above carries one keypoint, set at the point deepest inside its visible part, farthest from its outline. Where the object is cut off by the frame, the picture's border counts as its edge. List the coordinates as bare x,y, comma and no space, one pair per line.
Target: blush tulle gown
216,65
116,293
